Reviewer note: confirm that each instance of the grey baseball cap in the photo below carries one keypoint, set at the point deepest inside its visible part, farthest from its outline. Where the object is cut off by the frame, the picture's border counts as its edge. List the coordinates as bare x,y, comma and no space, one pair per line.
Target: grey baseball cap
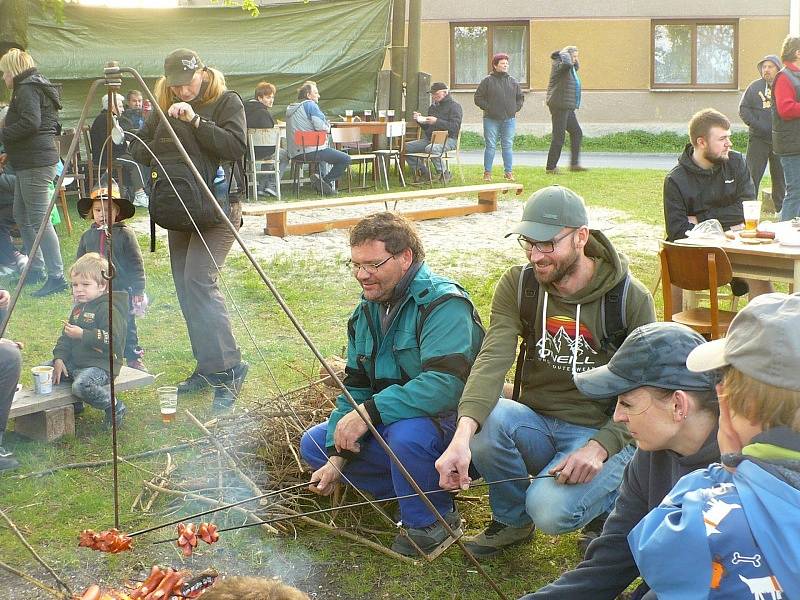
548,211
653,354
763,342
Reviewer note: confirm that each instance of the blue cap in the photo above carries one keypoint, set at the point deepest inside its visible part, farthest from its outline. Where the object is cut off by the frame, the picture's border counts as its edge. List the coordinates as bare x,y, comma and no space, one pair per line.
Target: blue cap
652,355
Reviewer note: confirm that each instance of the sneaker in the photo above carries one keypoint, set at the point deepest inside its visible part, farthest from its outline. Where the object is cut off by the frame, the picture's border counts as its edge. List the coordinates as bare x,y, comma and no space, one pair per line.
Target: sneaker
121,410
6,270
508,175
227,385
591,531
7,460
497,537
193,383
577,168
137,364
20,260
447,177
140,199
427,538
553,171
487,176
269,192
53,285
327,188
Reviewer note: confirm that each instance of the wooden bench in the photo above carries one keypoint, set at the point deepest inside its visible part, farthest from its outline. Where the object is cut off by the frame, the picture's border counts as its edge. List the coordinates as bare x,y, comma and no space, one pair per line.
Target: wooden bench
48,417
277,213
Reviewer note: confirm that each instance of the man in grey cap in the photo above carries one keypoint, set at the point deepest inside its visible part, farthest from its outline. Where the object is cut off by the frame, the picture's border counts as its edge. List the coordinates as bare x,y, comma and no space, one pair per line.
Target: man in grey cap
672,414
755,109
444,114
573,305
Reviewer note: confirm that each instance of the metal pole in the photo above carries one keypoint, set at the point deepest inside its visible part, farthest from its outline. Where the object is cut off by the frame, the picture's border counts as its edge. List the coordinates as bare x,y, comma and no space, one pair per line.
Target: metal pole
398,55
412,70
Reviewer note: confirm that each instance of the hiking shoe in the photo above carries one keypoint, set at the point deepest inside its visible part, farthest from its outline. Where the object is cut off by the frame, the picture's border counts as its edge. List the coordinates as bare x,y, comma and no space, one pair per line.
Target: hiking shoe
447,176
53,285
193,383
487,176
20,260
591,531
7,460
577,168
508,176
77,408
137,364
427,538
227,385
140,199
497,537
553,171
121,410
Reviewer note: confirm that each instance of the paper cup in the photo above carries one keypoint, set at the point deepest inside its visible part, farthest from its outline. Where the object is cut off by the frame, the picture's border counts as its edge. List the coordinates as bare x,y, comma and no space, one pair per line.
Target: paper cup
168,402
42,380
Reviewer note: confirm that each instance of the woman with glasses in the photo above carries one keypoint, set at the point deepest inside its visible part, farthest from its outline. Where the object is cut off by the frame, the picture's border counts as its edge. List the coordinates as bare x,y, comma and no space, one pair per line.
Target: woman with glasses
671,413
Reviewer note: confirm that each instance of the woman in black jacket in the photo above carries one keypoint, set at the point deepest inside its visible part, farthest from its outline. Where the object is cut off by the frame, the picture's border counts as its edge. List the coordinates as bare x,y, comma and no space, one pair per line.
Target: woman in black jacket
211,120
29,139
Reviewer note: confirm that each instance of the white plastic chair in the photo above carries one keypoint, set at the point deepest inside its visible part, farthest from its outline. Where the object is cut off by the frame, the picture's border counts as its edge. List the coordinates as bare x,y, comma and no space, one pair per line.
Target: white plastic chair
257,138
395,130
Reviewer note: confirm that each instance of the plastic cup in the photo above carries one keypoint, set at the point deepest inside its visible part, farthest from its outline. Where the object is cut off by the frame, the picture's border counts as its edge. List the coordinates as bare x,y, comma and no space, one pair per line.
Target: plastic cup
752,214
390,114
42,380
368,115
348,116
168,401
382,116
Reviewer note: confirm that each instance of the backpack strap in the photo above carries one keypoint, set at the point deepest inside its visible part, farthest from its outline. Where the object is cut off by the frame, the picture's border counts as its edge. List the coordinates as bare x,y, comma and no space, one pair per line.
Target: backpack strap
613,315
427,309
527,300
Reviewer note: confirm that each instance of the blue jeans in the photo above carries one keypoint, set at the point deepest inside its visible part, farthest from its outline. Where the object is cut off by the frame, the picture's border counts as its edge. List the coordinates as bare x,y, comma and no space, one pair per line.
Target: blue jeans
424,145
791,174
417,442
338,161
516,440
491,128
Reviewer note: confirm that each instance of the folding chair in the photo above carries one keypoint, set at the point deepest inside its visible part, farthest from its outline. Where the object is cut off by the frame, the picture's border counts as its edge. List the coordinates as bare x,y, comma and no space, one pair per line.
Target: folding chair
257,138
438,138
306,139
395,130
345,138
457,153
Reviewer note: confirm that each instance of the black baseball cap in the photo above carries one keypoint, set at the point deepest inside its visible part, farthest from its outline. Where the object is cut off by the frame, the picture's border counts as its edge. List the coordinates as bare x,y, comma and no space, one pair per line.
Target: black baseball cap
180,66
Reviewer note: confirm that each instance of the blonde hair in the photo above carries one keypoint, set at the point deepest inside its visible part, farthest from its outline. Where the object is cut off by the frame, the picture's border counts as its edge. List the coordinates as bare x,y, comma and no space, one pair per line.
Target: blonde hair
15,61
761,402
252,588
92,266
215,88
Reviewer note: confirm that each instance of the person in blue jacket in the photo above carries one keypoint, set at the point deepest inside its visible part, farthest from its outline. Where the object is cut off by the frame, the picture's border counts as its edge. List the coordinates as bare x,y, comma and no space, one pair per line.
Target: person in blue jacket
411,343
733,530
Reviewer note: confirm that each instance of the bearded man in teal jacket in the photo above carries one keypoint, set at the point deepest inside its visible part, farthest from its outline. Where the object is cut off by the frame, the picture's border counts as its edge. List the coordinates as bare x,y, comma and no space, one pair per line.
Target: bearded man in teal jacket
411,343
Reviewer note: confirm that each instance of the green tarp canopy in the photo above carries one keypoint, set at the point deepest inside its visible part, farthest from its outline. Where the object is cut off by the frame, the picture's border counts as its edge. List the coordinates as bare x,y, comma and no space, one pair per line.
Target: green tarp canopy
340,44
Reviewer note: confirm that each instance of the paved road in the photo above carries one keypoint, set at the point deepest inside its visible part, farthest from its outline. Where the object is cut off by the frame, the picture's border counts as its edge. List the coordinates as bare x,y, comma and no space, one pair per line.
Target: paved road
614,160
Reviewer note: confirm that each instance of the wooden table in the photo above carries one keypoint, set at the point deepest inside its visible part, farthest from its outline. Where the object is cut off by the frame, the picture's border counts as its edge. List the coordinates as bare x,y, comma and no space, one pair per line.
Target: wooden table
374,128
771,262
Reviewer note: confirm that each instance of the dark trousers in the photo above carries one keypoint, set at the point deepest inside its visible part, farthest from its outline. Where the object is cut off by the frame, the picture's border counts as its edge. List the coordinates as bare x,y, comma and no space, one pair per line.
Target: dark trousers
10,369
758,153
7,248
564,121
132,336
202,304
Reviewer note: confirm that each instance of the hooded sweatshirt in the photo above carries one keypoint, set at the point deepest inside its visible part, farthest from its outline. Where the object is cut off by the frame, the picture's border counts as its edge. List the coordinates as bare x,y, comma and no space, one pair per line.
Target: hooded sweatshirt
608,567
728,535
31,122
715,193
92,349
569,330
755,108
304,116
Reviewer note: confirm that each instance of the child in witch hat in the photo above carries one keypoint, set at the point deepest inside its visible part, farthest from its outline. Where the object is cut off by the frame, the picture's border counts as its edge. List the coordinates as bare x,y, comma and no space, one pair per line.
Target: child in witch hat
126,256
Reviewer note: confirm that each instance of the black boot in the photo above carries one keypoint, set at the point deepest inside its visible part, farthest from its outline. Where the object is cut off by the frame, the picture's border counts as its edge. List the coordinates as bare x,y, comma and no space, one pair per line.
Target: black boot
227,385
193,383
53,285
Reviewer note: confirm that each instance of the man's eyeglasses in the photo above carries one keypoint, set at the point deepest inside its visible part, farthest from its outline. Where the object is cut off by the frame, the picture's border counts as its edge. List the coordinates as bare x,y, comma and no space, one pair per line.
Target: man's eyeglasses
369,268
543,247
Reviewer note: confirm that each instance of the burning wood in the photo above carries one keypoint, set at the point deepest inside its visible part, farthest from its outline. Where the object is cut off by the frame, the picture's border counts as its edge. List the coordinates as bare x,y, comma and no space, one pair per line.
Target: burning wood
111,540
161,584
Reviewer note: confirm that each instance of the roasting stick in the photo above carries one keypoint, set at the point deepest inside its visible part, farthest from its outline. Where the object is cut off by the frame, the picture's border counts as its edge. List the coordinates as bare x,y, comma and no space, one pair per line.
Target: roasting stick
357,504
219,508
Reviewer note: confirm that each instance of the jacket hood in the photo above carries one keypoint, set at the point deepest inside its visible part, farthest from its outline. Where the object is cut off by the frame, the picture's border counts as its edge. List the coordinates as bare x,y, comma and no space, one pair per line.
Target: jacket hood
686,161
294,106
773,59
33,77
610,268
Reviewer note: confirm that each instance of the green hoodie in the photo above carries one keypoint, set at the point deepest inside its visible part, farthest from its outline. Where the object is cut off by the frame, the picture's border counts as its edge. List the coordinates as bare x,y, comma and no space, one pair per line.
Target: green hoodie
547,383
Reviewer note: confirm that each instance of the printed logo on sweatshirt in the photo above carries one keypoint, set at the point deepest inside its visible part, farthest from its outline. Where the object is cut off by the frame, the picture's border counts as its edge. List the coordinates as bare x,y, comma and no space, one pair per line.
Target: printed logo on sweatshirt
558,348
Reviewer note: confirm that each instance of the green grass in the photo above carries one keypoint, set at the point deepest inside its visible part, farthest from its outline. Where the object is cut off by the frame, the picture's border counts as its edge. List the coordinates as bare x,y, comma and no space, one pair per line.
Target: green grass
52,510
628,141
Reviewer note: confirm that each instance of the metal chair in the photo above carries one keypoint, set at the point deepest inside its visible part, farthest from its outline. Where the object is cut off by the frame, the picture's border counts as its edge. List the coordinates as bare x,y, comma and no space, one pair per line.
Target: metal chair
307,141
258,138
346,138
438,138
395,130
696,268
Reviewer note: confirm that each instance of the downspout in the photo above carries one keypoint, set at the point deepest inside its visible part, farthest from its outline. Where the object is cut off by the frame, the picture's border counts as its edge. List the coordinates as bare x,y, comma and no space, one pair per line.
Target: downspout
398,55
412,72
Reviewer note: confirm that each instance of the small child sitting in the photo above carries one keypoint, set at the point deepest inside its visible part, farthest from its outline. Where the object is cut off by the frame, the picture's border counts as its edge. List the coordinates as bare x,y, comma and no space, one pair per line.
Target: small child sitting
127,257
82,351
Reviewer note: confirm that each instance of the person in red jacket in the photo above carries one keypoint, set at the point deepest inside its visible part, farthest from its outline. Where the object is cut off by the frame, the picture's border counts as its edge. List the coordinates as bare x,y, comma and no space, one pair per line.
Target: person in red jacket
786,124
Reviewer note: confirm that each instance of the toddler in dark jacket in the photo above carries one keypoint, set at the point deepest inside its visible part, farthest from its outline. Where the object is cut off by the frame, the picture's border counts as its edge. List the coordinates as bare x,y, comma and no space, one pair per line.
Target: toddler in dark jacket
126,257
82,351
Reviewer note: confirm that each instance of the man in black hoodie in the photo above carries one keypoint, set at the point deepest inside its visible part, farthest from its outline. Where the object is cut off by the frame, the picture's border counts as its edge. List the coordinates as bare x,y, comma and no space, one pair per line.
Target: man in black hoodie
444,114
755,109
672,414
